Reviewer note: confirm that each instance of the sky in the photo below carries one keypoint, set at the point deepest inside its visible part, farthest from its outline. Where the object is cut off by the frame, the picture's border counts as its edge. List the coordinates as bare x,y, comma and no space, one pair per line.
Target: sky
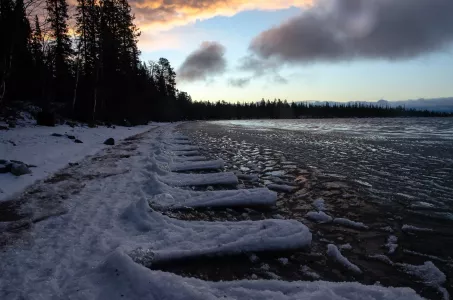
332,50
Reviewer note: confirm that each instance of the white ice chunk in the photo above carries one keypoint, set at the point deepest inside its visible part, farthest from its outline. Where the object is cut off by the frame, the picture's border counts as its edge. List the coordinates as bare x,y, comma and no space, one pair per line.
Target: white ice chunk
410,228
193,239
226,178
197,165
333,252
222,198
319,204
392,244
349,223
320,217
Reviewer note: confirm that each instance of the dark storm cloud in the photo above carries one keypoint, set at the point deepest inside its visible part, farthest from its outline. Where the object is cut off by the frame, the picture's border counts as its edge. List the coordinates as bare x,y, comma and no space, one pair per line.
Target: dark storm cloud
239,82
347,29
206,61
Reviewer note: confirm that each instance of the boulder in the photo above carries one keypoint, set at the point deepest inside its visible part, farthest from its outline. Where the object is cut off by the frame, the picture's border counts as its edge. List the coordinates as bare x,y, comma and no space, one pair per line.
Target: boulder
77,141
45,118
56,134
109,141
5,167
19,169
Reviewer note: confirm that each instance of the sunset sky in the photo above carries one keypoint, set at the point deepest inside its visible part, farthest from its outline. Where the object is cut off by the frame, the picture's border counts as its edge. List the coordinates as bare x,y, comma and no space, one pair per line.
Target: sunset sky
336,50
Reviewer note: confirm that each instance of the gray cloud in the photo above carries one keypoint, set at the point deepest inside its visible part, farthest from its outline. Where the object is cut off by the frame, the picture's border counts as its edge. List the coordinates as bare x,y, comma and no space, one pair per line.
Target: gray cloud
347,29
239,82
262,68
206,61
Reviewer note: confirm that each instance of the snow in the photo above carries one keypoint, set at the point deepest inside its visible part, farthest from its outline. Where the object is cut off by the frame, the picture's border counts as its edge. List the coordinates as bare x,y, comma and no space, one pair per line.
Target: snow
391,244
281,187
193,239
222,198
36,146
108,234
283,261
429,274
307,271
410,228
333,252
345,247
224,178
319,204
320,217
197,165
349,223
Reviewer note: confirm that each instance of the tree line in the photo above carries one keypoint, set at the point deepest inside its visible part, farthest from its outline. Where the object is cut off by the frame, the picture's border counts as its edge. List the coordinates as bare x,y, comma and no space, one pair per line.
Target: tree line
93,74
278,109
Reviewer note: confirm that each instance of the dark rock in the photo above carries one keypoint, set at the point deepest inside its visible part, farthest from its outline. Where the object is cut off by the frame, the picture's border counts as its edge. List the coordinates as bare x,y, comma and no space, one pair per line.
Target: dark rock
71,137
92,125
127,123
17,162
19,169
73,164
31,166
11,125
5,168
109,141
3,127
3,161
12,143
45,118
78,141
56,134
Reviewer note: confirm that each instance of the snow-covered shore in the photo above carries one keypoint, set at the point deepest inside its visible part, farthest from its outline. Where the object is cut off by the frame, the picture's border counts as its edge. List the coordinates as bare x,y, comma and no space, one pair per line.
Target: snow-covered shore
105,244
35,145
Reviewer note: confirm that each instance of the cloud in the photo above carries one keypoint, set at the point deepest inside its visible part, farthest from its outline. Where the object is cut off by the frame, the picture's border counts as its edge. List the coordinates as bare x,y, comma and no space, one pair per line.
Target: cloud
239,82
262,68
335,30
170,13
206,61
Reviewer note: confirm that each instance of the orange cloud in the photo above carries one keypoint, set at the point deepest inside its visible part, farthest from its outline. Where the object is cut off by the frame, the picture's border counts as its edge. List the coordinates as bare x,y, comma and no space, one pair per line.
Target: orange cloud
166,14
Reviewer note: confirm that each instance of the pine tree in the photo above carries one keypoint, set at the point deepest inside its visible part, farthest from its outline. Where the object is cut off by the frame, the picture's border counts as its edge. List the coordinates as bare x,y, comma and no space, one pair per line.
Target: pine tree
61,51
21,58
6,37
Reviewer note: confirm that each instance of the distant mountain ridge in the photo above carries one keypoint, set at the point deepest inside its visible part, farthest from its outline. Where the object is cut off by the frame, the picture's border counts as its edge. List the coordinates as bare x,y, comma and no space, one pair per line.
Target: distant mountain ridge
434,104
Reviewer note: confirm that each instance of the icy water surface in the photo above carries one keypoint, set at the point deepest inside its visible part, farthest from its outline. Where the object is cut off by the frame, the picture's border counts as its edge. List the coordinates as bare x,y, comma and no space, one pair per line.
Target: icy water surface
393,175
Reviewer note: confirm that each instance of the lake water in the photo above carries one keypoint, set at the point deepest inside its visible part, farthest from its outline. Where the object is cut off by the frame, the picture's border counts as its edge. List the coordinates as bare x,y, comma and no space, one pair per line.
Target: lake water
408,160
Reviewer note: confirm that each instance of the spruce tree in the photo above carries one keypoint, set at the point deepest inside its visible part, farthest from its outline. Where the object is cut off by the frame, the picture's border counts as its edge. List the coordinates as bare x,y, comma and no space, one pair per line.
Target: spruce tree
61,51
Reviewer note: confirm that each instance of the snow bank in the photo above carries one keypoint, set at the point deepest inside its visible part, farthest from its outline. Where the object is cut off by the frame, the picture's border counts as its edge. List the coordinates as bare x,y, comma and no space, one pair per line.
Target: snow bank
225,178
222,198
193,239
120,278
197,165
35,145
349,223
333,252
320,217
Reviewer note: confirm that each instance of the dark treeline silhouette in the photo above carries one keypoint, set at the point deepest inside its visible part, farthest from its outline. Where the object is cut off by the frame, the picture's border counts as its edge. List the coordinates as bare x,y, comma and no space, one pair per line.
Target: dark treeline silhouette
94,74
278,109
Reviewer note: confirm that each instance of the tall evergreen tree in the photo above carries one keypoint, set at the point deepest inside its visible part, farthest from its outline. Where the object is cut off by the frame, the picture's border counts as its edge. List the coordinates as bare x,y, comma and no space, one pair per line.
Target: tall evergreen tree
61,49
